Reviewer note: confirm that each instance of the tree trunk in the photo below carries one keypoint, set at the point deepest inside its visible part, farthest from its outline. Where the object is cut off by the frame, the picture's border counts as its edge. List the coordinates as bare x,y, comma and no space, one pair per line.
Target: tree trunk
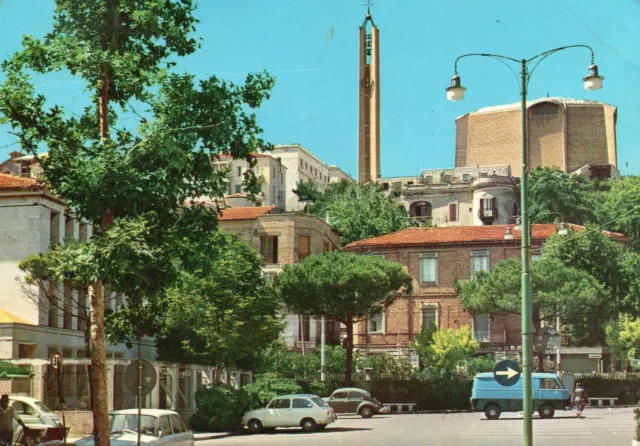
87,352
99,368
349,365
301,321
104,108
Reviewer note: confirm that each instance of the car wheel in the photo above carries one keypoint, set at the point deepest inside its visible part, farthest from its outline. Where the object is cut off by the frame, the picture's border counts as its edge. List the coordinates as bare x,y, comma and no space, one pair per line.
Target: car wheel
546,411
255,426
492,411
366,412
321,426
308,425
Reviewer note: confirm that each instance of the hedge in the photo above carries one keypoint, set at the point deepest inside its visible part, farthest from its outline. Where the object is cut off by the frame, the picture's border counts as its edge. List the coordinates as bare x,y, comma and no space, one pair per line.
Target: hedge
626,390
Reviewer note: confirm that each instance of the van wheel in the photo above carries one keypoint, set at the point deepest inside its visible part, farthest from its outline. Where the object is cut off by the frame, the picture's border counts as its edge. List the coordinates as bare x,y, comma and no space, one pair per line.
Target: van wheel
255,426
492,411
366,412
546,411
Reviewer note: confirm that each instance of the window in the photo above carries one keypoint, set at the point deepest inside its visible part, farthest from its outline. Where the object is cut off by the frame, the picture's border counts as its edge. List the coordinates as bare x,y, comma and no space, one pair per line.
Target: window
479,262
274,172
304,247
549,383
300,163
268,277
119,300
177,425
409,183
453,212
238,188
165,426
283,403
54,228
385,186
466,177
488,207
429,268
420,209
21,408
376,322
299,403
358,396
339,396
429,315
269,249
239,171
481,327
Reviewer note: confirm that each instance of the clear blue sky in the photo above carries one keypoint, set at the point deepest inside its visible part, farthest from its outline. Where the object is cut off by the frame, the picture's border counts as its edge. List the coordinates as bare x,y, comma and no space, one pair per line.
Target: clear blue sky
311,47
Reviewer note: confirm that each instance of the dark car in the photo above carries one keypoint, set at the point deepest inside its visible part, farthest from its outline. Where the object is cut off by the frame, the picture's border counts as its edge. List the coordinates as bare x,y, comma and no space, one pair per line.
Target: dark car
354,401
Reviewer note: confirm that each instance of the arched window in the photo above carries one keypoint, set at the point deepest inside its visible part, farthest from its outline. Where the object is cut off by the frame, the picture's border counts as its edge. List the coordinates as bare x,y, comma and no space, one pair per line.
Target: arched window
420,209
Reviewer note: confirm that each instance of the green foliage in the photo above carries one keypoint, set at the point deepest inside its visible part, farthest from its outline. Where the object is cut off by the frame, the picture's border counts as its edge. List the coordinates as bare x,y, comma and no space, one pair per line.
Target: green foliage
224,317
342,286
627,390
620,210
445,349
219,409
359,211
388,366
277,359
623,337
553,192
306,191
580,300
480,364
266,387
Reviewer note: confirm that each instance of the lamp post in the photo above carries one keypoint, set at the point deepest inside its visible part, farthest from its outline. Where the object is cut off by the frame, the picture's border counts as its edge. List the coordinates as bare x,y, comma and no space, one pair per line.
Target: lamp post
455,92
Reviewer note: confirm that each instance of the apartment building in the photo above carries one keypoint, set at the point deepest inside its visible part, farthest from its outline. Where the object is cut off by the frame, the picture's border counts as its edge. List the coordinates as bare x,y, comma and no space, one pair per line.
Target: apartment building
461,196
439,257
285,238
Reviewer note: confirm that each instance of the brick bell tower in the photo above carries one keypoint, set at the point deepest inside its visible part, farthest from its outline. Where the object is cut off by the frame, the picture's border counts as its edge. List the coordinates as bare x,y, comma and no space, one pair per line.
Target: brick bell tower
369,107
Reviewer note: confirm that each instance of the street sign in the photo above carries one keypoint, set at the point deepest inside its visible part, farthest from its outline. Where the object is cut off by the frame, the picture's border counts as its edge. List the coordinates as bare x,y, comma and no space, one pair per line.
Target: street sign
149,377
546,338
507,373
595,356
56,361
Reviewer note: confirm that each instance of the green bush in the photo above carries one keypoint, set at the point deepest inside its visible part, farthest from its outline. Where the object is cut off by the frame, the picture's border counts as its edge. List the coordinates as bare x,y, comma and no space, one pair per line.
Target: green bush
626,390
267,386
219,409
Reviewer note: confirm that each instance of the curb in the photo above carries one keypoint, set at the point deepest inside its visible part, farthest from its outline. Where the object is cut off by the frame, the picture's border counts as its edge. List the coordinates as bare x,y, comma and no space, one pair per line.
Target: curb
213,436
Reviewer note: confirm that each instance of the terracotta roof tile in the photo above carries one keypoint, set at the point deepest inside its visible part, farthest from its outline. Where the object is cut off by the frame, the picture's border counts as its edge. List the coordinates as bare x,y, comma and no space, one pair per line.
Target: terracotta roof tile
462,234
245,213
10,182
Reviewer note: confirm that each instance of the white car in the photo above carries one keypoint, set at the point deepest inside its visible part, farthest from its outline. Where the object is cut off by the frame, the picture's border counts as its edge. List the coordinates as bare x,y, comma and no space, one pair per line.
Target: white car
301,410
157,427
37,416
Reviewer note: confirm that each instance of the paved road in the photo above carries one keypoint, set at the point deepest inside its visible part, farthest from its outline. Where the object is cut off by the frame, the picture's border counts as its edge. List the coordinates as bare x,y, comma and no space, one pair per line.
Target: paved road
601,427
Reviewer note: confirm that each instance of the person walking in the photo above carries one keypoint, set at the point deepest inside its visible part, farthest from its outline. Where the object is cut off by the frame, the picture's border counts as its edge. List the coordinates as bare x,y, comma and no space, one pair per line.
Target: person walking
7,415
579,398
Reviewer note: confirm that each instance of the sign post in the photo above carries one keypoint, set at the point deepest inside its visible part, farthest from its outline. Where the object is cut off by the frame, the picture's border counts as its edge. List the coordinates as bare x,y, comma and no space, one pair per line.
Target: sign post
56,364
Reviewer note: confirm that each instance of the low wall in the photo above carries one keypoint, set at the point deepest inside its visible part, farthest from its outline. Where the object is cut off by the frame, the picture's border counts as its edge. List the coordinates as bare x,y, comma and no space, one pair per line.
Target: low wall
79,421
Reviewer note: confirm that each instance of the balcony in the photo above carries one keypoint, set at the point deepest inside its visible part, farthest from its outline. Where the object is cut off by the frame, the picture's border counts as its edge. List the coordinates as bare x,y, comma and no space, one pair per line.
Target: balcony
488,216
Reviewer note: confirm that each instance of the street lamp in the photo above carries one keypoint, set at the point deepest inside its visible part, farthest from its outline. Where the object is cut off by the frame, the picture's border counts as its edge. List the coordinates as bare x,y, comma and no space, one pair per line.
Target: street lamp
455,92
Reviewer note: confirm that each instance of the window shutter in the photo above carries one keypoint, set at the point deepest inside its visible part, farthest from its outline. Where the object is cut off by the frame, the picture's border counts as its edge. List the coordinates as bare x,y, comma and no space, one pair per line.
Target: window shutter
494,205
453,212
482,207
275,249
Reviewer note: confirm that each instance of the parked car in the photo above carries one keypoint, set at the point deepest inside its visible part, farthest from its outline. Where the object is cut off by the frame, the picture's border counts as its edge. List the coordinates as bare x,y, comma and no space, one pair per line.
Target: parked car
309,412
353,401
36,416
157,427
490,397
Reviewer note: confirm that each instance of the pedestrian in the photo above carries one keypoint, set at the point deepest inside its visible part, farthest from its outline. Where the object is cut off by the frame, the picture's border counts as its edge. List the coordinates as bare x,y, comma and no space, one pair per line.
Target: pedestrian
579,398
7,415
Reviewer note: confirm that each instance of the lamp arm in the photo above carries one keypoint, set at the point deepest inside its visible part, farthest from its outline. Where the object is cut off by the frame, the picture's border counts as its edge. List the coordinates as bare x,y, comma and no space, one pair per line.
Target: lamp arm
543,56
497,57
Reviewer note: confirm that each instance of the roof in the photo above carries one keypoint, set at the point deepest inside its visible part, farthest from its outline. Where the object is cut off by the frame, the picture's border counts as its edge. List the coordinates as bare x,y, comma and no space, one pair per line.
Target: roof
534,375
9,370
297,395
351,389
248,213
463,234
517,105
152,412
10,182
8,318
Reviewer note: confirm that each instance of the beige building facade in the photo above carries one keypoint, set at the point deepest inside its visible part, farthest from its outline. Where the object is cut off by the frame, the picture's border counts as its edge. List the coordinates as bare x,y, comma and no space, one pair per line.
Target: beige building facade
562,132
282,239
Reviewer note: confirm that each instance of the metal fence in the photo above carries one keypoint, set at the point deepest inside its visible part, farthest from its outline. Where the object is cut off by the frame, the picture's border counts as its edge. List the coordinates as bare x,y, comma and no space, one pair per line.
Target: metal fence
71,383
123,398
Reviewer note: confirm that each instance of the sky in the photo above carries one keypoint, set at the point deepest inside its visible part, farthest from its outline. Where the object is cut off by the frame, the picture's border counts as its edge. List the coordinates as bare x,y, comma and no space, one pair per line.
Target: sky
311,47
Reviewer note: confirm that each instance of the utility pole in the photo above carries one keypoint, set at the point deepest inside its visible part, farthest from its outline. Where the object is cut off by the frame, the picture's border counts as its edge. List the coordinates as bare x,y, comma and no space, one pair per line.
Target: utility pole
323,346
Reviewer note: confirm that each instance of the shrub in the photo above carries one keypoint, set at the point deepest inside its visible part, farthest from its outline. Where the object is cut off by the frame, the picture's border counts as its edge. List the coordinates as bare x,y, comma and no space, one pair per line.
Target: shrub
387,366
480,364
219,409
626,390
266,387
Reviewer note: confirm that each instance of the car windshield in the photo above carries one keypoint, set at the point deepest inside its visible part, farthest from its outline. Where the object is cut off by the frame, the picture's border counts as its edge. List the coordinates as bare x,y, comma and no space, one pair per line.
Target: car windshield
129,422
319,402
42,407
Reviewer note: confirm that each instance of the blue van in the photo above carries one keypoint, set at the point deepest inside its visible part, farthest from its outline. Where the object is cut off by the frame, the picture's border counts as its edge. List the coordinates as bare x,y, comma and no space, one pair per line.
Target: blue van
490,397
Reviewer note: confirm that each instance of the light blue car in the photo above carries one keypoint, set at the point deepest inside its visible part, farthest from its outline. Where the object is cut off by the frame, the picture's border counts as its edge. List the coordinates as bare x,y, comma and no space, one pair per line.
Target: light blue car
490,397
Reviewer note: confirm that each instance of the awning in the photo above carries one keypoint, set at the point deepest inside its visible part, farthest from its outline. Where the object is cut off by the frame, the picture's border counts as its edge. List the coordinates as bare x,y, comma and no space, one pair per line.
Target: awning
8,370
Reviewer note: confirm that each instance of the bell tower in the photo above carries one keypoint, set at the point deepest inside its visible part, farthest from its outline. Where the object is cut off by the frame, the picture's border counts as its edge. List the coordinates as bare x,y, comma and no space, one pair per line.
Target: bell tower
369,106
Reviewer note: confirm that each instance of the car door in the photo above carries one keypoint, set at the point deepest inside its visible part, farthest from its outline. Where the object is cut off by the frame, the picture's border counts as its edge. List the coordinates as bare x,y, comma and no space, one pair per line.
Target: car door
181,436
550,391
278,413
339,402
302,408
354,401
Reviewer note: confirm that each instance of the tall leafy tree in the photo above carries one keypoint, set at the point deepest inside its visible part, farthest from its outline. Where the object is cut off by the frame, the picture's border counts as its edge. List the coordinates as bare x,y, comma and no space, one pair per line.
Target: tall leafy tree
359,211
620,209
623,337
113,177
582,303
445,349
224,317
554,194
342,286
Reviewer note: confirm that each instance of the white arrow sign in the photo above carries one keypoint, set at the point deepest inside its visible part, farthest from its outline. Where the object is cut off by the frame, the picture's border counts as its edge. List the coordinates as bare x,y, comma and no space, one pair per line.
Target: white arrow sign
509,372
